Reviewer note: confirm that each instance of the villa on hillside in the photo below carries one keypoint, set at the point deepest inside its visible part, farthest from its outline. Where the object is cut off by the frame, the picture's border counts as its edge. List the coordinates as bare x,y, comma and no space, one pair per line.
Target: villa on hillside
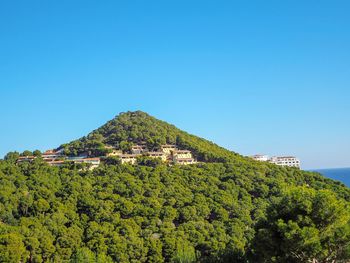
52,154
139,149
179,154
183,157
168,148
160,155
48,156
94,162
22,159
129,158
57,158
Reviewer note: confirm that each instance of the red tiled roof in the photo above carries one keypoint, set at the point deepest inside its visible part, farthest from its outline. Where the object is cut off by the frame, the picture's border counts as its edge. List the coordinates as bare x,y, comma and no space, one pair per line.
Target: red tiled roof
49,152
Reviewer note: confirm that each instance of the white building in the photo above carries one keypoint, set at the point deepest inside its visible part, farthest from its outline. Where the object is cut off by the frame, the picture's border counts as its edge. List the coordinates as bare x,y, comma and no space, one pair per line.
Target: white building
260,157
290,161
168,148
160,155
185,161
94,162
51,155
183,157
128,158
179,154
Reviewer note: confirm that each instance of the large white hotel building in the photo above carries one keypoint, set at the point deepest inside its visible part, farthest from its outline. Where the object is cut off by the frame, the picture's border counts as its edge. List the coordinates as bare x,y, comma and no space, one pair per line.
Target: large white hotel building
290,161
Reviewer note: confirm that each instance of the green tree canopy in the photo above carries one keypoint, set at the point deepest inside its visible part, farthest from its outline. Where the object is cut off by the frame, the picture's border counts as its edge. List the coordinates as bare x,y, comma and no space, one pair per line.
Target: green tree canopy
305,225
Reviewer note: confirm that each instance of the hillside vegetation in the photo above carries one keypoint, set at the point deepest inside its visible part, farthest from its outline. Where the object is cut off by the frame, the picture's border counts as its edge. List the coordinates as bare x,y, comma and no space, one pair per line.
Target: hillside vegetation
226,209
135,127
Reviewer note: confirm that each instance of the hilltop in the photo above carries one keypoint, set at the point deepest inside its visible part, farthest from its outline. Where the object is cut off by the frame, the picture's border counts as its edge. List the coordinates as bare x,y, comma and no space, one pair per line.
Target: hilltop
226,208
132,128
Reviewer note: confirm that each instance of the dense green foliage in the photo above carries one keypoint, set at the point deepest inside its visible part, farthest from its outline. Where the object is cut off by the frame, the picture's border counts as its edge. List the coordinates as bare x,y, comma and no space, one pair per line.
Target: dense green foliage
122,213
231,209
305,226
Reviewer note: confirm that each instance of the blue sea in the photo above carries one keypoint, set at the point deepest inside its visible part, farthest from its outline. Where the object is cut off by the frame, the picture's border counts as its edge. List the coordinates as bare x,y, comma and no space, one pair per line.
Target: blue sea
339,174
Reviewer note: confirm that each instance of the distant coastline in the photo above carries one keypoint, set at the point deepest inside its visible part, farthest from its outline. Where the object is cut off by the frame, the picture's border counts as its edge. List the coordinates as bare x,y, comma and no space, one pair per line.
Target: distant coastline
339,174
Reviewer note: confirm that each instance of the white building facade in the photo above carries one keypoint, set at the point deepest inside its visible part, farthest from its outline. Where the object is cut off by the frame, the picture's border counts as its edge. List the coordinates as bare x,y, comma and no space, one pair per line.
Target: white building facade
260,157
290,161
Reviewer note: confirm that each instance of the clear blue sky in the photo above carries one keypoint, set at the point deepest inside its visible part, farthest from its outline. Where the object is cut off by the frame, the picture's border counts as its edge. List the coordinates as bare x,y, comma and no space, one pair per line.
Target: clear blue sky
254,76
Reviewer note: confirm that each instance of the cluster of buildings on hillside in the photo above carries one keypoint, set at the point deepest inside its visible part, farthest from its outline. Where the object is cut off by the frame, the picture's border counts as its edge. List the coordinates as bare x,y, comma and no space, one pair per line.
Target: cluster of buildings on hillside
58,158
290,161
167,153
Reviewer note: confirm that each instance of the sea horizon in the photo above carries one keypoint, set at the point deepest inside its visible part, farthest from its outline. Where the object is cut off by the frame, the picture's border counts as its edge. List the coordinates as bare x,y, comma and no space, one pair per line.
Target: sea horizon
326,168
339,174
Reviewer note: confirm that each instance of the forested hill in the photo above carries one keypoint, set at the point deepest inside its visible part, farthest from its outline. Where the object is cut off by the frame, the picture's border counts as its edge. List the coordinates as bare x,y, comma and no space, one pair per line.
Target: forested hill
226,208
134,127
